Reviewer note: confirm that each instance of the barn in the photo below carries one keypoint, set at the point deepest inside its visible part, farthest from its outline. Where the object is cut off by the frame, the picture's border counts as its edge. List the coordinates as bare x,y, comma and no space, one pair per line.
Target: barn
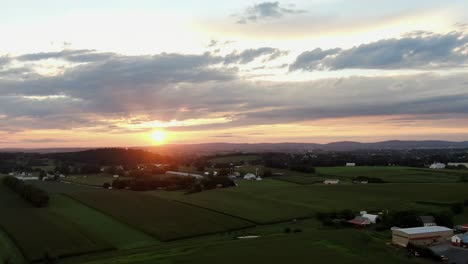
421,235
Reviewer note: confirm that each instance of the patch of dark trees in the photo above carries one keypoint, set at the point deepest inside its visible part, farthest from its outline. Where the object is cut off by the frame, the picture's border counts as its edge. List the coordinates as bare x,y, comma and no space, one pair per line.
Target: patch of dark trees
111,156
368,179
294,162
31,193
172,183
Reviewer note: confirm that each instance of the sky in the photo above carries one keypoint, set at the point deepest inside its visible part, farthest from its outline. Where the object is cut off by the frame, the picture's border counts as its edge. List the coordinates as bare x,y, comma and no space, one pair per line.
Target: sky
111,73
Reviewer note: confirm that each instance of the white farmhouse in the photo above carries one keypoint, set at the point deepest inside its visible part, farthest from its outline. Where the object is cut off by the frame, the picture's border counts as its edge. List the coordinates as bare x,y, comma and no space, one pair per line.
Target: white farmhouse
331,181
437,166
250,176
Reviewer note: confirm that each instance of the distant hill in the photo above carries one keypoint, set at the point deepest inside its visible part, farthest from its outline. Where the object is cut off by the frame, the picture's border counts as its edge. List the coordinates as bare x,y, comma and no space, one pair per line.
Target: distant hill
276,147
294,147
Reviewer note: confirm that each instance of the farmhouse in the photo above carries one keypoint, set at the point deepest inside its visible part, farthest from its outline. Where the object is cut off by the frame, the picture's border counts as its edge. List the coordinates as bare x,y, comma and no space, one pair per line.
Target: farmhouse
437,166
421,235
372,218
350,164
176,173
456,240
331,181
250,176
427,220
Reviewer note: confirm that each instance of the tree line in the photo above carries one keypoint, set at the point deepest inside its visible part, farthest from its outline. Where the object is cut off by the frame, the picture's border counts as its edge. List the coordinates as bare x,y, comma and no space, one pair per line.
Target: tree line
31,193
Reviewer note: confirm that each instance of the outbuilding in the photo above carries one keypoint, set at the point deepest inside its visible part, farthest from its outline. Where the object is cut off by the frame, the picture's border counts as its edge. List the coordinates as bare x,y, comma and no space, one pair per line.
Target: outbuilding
360,221
350,164
427,220
421,235
331,181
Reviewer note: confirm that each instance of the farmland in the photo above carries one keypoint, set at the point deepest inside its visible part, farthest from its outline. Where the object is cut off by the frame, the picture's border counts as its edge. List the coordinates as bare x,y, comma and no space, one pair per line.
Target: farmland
164,219
30,227
270,200
173,227
391,174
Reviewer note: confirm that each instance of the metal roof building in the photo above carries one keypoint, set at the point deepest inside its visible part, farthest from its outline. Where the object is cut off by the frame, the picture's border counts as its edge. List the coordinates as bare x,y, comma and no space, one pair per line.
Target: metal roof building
421,235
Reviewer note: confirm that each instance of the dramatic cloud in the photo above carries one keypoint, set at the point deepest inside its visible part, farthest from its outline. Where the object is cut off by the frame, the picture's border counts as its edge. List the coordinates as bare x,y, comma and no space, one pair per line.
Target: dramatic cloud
308,60
68,55
420,50
266,10
250,55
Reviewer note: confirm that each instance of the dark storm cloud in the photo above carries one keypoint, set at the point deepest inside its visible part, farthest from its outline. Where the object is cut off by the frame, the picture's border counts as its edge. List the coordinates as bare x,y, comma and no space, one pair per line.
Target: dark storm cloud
418,50
266,10
250,55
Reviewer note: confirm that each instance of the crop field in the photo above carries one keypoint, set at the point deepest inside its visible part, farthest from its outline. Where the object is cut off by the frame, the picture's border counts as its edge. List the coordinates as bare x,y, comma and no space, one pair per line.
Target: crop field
61,187
269,201
92,179
391,174
347,246
234,159
245,201
100,225
9,251
37,231
164,219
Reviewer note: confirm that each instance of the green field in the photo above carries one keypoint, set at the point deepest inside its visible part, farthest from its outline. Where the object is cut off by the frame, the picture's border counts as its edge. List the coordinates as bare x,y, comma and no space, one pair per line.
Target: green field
164,219
9,251
312,246
269,200
37,231
91,179
103,226
391,174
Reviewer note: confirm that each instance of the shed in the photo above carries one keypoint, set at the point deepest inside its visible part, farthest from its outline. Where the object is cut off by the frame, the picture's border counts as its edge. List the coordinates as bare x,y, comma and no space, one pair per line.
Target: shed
421,235
350,164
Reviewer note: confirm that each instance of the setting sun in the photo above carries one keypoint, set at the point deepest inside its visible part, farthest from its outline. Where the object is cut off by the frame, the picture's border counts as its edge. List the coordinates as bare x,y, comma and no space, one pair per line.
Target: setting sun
158,136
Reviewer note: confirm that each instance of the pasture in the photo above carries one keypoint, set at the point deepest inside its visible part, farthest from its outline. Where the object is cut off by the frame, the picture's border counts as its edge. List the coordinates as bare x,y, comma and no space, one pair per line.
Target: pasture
314,246
271,201
161,218
108,229
390,174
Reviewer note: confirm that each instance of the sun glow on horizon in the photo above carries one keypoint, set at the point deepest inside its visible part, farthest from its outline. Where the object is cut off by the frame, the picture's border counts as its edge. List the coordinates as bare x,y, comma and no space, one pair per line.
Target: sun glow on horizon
158,137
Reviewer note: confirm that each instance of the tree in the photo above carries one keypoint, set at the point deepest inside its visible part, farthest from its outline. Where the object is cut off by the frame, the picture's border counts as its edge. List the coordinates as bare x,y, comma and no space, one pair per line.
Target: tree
106,185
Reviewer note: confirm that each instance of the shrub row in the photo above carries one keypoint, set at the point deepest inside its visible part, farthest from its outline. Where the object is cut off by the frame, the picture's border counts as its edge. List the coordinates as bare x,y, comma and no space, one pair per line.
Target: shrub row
34,195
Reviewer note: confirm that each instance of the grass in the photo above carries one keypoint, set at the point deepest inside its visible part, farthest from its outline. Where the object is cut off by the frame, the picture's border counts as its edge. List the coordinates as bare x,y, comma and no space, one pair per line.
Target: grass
391,174
37,231
164,219
311,246
100,225
243,201
9,251
270,201
92,179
